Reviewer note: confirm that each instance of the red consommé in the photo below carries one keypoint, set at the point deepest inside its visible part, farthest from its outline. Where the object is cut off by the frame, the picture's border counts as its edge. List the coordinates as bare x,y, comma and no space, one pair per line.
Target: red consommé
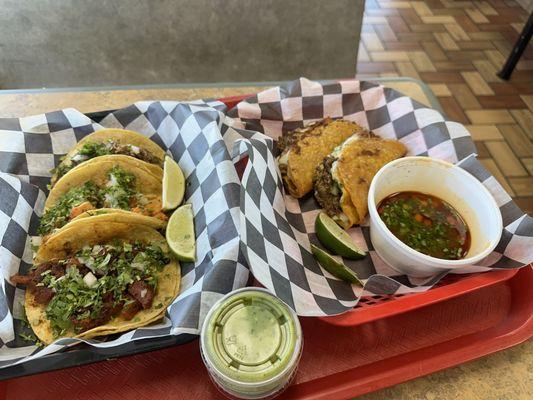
426,224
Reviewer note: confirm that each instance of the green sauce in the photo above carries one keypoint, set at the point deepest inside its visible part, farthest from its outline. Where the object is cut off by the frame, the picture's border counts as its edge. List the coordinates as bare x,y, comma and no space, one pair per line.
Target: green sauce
426,224
251,337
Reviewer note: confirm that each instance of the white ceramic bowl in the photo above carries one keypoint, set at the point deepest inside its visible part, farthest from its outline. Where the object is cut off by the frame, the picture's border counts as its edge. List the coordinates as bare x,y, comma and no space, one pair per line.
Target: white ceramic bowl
449,183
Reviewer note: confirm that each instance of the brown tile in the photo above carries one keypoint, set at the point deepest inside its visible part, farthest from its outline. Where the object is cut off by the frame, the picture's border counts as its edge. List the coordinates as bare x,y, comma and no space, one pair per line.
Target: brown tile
512,88
477,83
445,41
501,19
485,45
466,23
525,120
441,77
421,8
486,8
453,110
412,36
408,46
454,65
434,51
398,24
484,132
421,61
528,162
517,139
522,186
508,163
482,151
457,32
476,16
438,19
496,173
464,96
525,204
485,36
410,16
407,69
467,55
427,28
389,56
394,4
385,33
481,117
503,47
522,76
528,99
487,70
440,89
503,101
369,67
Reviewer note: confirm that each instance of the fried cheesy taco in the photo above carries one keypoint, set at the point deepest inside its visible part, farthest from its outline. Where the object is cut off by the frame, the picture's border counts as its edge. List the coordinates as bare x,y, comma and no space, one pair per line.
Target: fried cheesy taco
303,149
342,179
114,182
99,277
107,142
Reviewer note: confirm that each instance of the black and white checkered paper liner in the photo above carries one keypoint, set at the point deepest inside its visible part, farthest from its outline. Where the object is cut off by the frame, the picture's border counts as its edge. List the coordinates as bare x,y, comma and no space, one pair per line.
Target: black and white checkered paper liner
31,146
277,229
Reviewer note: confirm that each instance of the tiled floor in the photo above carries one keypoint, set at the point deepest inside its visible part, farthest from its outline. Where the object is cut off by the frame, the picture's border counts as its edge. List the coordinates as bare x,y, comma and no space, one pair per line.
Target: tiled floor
457,47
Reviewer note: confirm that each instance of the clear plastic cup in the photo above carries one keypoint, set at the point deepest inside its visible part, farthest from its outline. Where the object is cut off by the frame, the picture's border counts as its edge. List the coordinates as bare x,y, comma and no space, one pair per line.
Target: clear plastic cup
251,343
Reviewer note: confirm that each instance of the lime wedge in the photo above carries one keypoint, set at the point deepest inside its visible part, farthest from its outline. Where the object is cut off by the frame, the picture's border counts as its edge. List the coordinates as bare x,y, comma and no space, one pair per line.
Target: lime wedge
173,184
334,267
336,239
180,233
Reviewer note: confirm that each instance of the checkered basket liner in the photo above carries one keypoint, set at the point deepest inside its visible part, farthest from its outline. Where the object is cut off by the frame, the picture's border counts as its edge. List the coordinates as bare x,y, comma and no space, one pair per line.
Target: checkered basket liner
31,146
277,229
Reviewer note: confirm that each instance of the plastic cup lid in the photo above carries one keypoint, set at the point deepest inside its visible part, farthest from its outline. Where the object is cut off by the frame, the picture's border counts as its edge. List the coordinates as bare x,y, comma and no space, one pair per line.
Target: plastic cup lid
251,336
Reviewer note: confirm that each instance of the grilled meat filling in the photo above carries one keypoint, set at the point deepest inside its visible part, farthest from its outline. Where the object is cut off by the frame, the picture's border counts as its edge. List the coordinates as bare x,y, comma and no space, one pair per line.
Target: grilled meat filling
327,191
95,285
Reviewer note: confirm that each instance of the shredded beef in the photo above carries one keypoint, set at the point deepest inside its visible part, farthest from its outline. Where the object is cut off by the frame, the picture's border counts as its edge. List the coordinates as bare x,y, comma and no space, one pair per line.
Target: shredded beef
327,192
142,292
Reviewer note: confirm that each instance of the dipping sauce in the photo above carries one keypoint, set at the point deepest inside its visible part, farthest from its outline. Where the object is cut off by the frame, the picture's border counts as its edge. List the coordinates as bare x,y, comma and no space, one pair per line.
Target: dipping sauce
426,224
251,343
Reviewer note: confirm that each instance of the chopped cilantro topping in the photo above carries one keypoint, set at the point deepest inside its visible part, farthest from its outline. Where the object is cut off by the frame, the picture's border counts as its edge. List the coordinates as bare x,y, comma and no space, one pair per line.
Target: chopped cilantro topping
59,214
116,266
117,194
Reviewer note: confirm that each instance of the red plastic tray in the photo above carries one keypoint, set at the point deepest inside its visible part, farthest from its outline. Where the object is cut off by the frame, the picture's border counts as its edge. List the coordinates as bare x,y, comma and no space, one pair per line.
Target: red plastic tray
383,342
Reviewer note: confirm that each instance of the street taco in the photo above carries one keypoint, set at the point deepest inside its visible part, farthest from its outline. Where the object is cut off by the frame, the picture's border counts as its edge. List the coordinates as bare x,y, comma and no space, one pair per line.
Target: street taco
96,278
109,182
303,149
107,142
342,179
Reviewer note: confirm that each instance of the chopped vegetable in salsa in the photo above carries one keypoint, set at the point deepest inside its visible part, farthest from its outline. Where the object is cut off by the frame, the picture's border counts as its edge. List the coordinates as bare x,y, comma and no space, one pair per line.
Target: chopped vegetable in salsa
426,224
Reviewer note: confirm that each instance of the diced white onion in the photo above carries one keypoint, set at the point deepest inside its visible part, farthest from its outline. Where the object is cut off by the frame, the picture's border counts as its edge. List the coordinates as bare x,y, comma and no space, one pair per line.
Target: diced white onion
79,157
137,265
143,292
112,180
89,279
135,149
